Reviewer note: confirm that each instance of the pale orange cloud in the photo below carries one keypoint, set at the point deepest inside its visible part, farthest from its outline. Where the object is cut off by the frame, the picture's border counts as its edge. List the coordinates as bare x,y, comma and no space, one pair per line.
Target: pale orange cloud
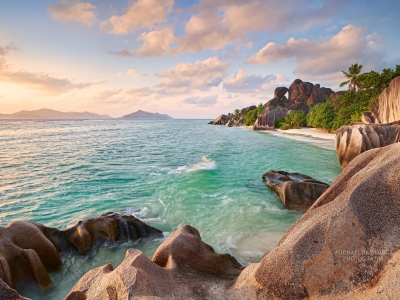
67,11
141,14
132,73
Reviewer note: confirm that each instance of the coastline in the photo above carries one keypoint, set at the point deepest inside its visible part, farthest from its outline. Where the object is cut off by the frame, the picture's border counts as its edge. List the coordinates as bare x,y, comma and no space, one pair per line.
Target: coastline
305,134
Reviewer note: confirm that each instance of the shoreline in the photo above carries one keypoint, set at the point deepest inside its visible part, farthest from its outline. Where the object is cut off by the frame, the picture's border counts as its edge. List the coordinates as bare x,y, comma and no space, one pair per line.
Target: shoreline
305,134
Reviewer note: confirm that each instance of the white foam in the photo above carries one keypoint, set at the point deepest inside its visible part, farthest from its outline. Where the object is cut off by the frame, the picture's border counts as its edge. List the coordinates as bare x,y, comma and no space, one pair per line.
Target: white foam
205,164
155,174
178,170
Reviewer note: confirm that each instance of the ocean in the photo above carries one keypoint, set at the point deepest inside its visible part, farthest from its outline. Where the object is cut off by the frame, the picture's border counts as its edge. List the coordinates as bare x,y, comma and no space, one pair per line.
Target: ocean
166,173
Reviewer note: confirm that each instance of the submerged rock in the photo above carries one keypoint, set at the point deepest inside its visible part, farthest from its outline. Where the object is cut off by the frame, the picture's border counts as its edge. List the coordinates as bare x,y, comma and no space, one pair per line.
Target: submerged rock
28,249
180,269
294,189
356,138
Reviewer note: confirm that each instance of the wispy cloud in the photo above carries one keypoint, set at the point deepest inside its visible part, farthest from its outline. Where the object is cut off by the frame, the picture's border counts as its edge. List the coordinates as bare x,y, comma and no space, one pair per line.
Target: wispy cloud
67,11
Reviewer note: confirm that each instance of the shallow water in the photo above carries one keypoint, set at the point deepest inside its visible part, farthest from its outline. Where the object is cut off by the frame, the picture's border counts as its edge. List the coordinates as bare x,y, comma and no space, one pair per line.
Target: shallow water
167,173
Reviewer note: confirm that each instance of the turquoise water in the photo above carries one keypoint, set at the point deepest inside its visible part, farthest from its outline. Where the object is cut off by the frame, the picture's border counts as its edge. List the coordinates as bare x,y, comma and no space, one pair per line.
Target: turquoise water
167,173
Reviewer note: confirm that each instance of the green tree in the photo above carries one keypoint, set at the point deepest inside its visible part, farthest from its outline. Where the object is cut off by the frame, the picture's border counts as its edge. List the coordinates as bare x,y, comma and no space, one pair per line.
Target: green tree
351,75
296,119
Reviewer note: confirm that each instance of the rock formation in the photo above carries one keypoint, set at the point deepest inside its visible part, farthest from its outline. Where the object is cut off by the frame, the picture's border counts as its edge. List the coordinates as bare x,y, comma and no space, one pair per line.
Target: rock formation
28,250
299,106
299,91
7,293
222,119
243,110
280,92
268,117
294,189
345,246
183,267
356,138
319,95
387,110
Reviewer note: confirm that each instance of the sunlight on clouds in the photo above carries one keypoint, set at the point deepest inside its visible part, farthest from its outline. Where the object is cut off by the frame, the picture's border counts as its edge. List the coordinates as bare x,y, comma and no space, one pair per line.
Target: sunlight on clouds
132,73
141,14
316,58
73,11
156,43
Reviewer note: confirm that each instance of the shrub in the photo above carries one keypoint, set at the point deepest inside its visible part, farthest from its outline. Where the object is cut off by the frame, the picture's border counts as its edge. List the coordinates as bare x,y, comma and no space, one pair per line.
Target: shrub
322,115
296,119
279,123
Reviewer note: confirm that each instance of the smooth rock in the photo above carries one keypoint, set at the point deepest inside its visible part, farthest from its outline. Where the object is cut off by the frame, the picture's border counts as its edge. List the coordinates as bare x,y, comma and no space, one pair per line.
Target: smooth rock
294,189
367,118
299,106
319,95
268,117
280,92
345,246
356,138
273,102
222,119
299,91
387,110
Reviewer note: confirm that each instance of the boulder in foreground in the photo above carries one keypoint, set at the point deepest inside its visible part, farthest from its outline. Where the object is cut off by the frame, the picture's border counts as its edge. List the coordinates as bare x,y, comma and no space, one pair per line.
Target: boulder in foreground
294,189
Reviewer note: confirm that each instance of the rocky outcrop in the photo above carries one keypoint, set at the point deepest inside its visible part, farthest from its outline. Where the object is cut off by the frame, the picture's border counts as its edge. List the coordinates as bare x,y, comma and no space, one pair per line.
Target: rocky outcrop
319,95
239,122
7,293
183,267
222,120
345,246
387,110
299,91
243,110
280,92
334,96
28,250
294,189
299,106
356,138
268,117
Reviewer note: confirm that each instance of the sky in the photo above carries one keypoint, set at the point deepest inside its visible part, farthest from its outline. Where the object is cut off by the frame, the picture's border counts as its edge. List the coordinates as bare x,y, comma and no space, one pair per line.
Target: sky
187,59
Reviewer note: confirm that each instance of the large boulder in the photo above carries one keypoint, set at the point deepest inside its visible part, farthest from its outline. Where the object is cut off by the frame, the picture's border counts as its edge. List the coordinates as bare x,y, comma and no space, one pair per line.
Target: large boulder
185,246
356,138
222,119
387,109
183,267
294,189
335,95
273,102
7,293
319,95
268,117
239,122
299,106
280,92
28,250
299,91
346,246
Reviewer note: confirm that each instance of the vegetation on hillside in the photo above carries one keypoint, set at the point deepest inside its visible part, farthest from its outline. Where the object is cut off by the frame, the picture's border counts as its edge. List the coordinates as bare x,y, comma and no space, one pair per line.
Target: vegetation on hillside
363,93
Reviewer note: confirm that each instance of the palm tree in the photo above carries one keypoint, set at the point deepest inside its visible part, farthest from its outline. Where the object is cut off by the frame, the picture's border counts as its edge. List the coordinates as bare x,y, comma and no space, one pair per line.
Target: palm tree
352,75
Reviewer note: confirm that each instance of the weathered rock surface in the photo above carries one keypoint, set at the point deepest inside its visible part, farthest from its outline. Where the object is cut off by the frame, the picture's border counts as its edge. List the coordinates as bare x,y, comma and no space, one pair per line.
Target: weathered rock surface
294,189
211,122
239,122
273,102
177,271
345,246
299,106
299,91
222,119
280,92
367,118
7,293
28,250
253,107
268,117
335,95
319,95
356,138
387,110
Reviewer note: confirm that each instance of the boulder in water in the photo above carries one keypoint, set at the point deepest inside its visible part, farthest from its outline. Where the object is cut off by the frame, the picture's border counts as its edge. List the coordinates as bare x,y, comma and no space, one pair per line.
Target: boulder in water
294,189
222,119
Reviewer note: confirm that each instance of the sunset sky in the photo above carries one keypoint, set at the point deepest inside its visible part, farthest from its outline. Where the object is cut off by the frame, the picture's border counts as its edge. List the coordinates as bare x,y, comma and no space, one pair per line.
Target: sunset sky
188,59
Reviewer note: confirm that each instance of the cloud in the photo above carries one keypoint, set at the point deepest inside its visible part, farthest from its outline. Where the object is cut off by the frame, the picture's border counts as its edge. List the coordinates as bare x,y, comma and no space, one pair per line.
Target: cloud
132,73
325,59
223,22
75,11
202,101
198,76
243,83
125,52
42,81
156,43
141,14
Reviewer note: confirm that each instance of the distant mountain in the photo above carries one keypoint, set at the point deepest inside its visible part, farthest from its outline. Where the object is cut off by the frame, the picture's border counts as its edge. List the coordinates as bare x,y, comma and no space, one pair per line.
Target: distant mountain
49,114
144,115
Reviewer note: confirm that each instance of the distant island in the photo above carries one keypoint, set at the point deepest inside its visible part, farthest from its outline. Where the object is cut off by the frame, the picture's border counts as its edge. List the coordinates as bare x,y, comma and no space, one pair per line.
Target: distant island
144,115
49,114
